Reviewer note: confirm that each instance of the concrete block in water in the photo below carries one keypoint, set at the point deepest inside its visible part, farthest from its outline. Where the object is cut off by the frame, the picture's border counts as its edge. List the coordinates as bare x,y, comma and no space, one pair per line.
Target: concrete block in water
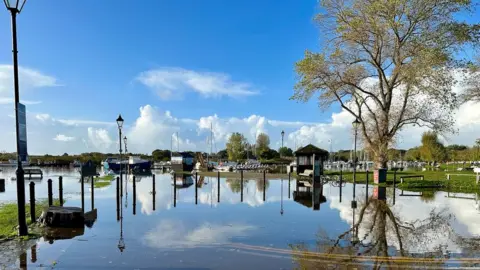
64,217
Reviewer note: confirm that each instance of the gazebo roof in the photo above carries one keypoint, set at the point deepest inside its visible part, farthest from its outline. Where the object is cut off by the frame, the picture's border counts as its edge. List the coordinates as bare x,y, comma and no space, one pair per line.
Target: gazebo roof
310,150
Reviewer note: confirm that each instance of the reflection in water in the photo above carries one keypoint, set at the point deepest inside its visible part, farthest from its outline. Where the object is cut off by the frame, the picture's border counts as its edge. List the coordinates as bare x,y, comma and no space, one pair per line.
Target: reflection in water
381,233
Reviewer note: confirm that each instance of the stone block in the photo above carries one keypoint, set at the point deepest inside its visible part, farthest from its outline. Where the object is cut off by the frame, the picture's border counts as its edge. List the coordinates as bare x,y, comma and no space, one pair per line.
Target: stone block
63,217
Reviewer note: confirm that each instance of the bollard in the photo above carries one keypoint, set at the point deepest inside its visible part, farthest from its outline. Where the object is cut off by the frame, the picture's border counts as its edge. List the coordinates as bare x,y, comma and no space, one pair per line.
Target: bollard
153,191
50,194
134,196
118,198
33,253
218,189
92,187
2,185
60,190
32,202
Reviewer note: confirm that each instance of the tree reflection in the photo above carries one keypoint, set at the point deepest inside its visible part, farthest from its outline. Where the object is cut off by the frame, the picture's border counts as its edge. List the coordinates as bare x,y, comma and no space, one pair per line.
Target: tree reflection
260,186
380,238
235,185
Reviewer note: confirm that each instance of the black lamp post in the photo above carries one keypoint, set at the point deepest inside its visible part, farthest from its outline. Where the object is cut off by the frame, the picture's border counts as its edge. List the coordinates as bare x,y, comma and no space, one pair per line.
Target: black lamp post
15,7
355,124
283,134
120,125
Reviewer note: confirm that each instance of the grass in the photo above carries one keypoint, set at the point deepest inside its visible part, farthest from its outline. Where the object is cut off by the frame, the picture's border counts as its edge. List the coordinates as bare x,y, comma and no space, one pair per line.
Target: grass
459,181
9,221
105,178
101,184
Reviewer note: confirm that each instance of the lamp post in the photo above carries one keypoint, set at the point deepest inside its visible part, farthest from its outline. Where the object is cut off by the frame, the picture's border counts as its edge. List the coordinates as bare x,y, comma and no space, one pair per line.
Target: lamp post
15,7
355,126
120,125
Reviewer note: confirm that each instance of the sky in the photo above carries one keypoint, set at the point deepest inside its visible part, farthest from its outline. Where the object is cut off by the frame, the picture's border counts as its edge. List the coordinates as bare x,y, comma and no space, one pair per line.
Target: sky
167,67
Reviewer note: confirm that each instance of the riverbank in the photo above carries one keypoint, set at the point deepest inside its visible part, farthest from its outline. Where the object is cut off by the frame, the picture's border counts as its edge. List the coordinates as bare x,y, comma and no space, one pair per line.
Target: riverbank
459,181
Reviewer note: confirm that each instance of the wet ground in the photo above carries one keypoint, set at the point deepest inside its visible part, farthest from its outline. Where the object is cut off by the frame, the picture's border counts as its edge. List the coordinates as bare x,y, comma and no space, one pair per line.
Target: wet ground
227,224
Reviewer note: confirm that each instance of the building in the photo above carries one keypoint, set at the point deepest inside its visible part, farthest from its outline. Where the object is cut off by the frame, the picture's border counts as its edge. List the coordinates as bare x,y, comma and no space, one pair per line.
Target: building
305,156
182,162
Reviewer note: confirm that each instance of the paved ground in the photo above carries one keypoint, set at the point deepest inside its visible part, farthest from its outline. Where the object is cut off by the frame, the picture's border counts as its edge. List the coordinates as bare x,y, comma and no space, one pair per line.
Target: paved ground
12,252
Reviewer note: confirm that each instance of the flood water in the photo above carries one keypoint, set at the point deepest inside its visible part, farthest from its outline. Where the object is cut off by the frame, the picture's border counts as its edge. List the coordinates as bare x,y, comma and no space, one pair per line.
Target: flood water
219,226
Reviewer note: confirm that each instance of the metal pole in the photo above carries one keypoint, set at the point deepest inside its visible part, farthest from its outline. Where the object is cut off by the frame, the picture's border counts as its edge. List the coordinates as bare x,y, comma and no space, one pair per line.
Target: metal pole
120,163
50,195
60,190
118,198
22,220
32,202
355,163
289,176
218,187
340,186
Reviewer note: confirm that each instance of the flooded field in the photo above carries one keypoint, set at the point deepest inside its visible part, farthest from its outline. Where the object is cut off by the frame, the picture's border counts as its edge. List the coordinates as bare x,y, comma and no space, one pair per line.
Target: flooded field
227,224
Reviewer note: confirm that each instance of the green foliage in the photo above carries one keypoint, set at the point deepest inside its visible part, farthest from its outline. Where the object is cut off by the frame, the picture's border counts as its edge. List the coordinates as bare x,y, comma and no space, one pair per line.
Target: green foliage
263,143
413,154
269,154
236,147
161,155
403,49
285,152
432,149
222,154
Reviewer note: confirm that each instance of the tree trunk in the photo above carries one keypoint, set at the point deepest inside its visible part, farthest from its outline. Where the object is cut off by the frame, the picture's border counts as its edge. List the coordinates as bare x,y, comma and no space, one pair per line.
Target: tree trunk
380,157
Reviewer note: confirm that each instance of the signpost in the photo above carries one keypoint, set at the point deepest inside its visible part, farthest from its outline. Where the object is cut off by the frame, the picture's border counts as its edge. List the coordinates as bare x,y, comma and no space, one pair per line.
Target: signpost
22,130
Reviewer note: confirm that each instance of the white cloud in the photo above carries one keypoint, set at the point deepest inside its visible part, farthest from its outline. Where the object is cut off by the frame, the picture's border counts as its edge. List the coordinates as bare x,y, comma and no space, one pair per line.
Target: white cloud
173,83
99,138
28,78
63,138
176,234
43,117
72,122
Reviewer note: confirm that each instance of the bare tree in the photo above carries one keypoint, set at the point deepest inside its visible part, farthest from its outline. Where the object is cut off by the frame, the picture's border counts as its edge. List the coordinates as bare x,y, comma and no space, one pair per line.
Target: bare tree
389,64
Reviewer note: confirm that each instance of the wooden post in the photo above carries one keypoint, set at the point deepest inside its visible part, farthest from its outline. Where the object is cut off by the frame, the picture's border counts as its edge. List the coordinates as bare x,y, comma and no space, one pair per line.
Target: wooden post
118,198
218,189
241,185
32,202
154,193
23,261
50,193
134,196
196,188
264,184
174,190
289,177
60,190
83,192
92,192
33,253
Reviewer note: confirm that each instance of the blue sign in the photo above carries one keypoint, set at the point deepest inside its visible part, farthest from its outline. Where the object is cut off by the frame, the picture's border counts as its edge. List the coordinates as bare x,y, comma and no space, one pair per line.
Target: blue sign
22,132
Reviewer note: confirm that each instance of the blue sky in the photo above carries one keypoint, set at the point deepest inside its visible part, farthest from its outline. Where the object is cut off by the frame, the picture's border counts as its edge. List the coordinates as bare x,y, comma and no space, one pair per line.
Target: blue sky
166,66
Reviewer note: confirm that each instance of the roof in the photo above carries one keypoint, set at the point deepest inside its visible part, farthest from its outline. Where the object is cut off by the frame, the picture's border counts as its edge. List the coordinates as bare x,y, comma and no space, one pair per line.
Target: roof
310,150
182,154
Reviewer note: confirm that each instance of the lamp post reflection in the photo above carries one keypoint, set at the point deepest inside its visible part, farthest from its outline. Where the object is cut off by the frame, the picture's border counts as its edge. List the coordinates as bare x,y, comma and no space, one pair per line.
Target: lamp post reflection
121,242
281,197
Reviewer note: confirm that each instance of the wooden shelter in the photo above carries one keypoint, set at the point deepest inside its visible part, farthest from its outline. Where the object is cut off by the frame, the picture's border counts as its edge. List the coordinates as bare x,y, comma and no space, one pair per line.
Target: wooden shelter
306,155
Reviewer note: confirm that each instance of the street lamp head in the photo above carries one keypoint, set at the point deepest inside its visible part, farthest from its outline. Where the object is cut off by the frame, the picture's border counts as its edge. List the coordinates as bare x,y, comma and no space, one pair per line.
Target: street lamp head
120,121
15,5
356,123
283,133
125,139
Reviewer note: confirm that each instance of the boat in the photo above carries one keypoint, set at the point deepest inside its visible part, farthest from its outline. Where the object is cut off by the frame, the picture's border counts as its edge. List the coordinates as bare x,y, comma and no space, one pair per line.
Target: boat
133,163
